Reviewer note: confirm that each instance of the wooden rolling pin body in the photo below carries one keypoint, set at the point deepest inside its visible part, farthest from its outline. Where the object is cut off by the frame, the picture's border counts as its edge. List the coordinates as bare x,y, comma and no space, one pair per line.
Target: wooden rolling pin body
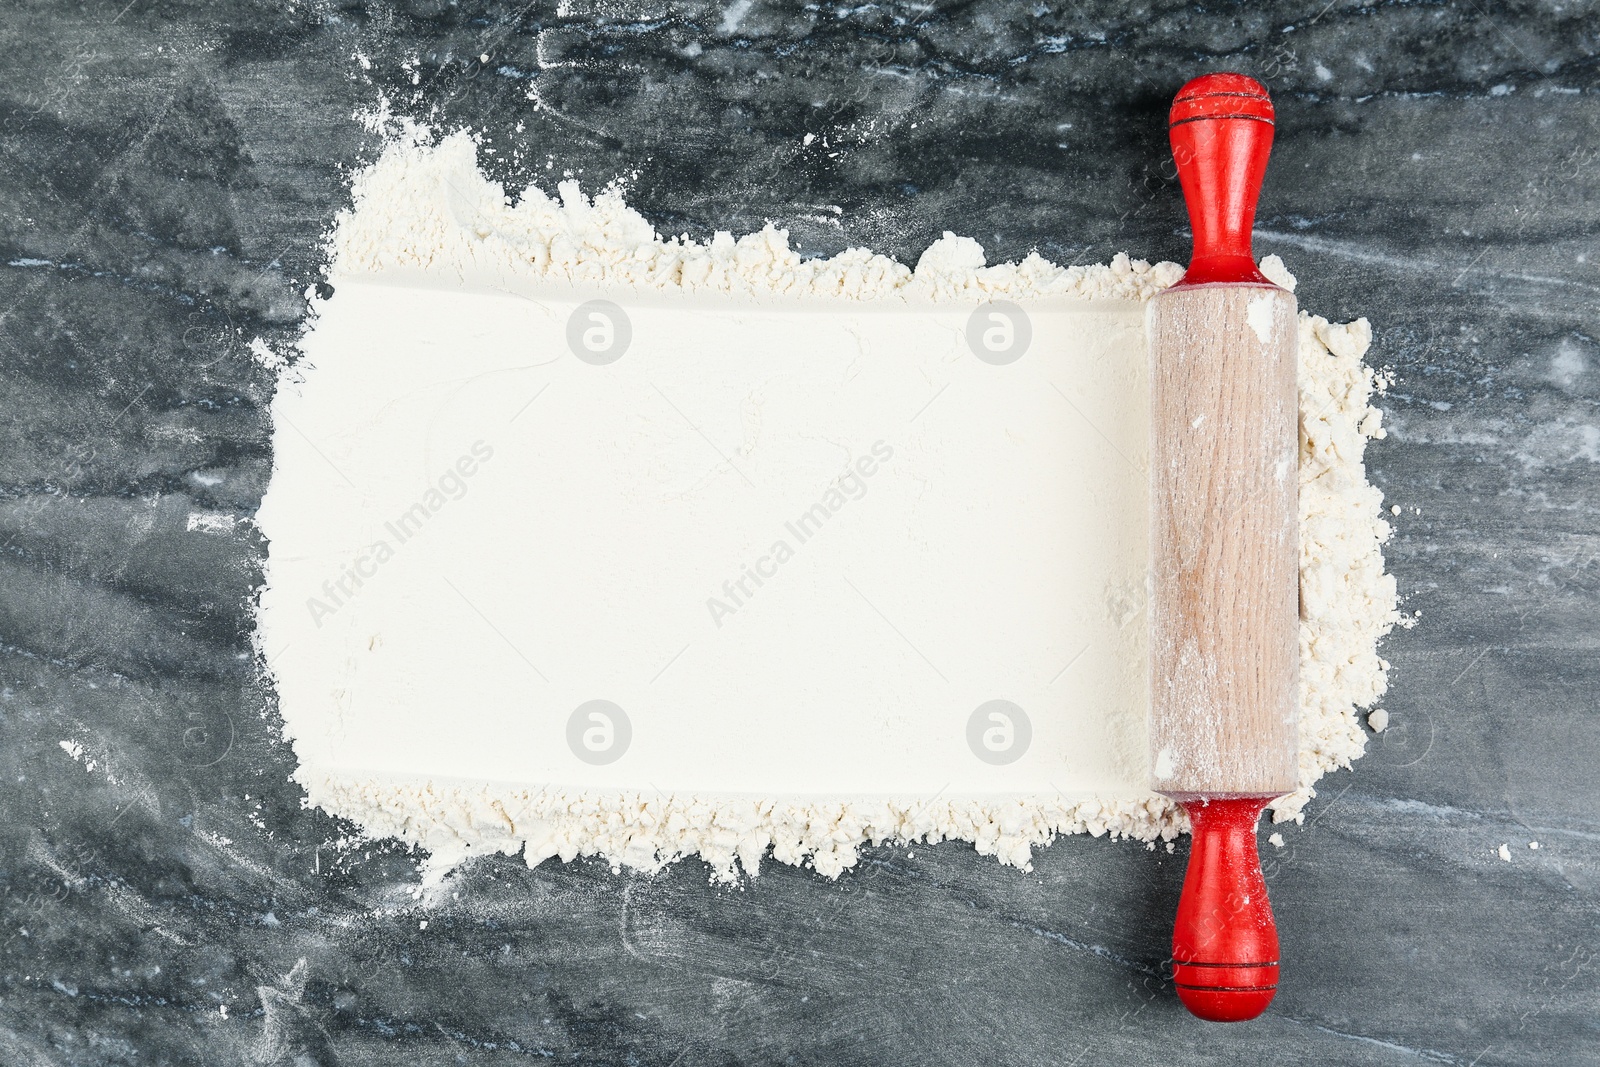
1224,542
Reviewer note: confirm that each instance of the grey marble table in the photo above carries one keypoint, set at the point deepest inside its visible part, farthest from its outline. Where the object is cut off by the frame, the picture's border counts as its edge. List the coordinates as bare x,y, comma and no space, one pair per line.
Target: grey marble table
167,171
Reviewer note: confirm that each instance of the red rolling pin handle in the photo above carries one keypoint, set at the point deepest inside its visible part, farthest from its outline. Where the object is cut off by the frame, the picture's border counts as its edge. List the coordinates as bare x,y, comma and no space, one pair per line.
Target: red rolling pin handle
1221,131
1224,942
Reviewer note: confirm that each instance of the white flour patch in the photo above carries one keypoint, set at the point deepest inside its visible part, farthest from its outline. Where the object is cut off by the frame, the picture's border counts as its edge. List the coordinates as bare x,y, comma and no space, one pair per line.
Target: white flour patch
219,522
548,579
1259,315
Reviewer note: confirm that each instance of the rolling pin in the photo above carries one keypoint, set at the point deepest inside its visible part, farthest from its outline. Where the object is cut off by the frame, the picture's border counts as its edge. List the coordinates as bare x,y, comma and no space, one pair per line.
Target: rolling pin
1224,531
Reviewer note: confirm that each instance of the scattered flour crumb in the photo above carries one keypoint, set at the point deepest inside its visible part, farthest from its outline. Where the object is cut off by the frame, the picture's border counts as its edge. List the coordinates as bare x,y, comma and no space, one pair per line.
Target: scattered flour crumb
1505,853
1276,840
1278,274
1378,719
211,521
266,356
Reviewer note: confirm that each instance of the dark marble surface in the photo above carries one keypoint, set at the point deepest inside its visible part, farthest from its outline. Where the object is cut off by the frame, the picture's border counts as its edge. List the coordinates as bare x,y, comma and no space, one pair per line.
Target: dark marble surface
167,170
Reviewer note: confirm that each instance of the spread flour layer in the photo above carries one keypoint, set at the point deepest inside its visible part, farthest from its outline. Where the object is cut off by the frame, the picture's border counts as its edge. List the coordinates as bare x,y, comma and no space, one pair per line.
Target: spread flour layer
586,541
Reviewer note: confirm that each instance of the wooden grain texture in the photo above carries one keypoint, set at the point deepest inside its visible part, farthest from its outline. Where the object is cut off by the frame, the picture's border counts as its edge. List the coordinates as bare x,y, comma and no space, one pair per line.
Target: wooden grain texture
1224,541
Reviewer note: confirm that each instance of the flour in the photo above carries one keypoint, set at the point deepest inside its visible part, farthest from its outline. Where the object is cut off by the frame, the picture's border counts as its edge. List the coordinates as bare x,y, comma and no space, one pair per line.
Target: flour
425,212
